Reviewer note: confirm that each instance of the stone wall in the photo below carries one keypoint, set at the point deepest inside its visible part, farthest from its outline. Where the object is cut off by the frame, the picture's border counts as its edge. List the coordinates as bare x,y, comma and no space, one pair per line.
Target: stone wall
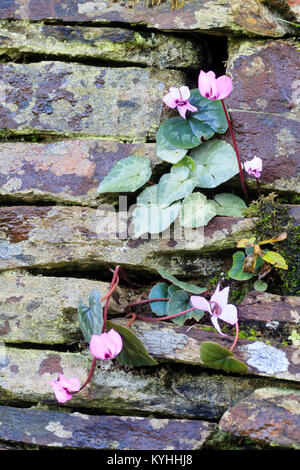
78,94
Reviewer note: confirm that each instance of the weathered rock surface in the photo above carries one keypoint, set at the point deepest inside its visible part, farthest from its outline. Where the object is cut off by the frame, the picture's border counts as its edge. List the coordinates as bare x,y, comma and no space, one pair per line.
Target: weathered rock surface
159,391
62,237
74,99
67,171
214,16
81,431
111,44
265,101
290,9
270,416
167,342
270,311
44,309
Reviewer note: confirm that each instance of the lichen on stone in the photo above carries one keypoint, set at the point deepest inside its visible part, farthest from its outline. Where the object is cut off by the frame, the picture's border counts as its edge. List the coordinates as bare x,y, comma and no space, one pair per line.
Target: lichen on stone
266,358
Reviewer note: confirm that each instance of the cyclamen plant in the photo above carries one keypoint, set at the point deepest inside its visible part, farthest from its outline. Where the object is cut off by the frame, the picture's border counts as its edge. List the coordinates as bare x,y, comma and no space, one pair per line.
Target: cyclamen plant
171,301
203,113
197,162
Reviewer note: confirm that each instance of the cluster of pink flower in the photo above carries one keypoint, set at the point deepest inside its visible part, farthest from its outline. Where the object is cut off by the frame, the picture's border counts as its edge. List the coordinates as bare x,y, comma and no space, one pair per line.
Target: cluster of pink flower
211,88
105,346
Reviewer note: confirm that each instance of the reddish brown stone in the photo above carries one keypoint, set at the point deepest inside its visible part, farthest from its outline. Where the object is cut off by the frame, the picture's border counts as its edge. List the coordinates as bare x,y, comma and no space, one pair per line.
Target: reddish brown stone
264,107
66,171
268,308
251,18
270,416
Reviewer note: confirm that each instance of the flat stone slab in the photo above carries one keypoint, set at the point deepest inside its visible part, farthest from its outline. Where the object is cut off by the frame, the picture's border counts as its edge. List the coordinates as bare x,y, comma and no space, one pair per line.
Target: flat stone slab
62,237
269,309
108,44
74,99
182,344
44,309
67,171
81,431
270,416
156,391
226,16
265,102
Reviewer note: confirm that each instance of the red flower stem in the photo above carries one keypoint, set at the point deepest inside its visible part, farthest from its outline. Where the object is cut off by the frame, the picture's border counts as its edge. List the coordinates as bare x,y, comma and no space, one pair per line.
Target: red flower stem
133,317
140,317
111,291
236,152
147,300
236,336
89,376
113,285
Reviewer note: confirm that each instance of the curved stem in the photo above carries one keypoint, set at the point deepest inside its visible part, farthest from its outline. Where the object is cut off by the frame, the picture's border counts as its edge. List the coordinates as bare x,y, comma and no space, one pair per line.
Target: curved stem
133,317
113,285
88,377
139,302
114,282
110,292
140,317
236,336
237,153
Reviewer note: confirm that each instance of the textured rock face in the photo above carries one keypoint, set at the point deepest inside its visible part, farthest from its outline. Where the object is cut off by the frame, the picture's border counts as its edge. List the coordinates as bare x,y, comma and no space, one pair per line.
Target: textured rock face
83,237
67,171
111,44
60,98
270,310
270,416
265,102
219,16
161,391
80,431
44,309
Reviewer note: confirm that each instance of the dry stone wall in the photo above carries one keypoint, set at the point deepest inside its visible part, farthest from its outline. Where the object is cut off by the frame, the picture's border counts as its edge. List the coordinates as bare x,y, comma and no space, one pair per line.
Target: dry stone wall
77,95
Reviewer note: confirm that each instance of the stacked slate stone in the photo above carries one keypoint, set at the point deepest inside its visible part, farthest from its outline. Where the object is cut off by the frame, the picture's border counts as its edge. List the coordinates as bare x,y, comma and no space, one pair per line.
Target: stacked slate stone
77,95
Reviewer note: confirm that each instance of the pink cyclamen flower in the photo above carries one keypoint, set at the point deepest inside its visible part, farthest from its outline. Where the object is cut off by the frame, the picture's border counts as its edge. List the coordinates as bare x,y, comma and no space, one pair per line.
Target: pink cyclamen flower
62,386
179,98
218,307
214,88
254,167
107,345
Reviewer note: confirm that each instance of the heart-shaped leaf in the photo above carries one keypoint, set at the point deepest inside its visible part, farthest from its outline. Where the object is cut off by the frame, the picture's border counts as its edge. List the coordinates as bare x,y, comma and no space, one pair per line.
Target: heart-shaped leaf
180,302
201,130
196,211
160,290
182,285
215,163
260,286
178,133
175,185
91,317
209,112
229,205
167,152
133,352
236,271
153,218
216,356
128,175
